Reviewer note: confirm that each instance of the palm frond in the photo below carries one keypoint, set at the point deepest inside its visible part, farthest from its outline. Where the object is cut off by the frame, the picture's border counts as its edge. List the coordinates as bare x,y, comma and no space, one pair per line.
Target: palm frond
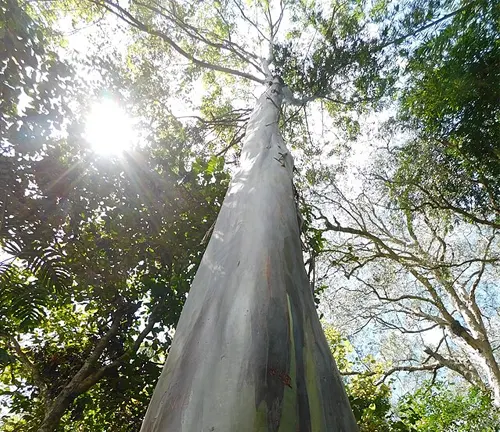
45,263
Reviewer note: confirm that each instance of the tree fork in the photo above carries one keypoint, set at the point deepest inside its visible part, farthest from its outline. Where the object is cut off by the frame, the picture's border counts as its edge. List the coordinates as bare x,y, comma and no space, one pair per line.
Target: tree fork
249,353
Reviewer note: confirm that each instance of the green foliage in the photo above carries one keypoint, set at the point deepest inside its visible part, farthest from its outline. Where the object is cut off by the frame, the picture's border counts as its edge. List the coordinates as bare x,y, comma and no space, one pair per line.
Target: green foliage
92,241
29,68
368,395
452,93
451,100
88,240
443,407
433,407
342,63
22,300
31,72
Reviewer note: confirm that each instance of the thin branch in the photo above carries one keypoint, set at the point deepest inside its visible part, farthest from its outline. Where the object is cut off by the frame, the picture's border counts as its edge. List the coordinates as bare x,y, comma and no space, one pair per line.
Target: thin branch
196,34
480,273
446,205
277,24
126,16
468,373
424,27
249,20
388,372
37,378
90,380
235,140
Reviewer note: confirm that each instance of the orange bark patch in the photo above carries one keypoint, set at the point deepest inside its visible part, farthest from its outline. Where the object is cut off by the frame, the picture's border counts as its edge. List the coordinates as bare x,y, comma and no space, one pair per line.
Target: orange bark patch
282,376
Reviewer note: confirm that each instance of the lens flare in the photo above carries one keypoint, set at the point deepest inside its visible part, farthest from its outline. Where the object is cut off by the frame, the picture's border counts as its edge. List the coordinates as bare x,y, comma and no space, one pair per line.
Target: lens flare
109,129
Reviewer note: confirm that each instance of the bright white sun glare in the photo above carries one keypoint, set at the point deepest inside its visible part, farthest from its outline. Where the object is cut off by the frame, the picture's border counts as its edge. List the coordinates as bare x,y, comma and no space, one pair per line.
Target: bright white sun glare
109,129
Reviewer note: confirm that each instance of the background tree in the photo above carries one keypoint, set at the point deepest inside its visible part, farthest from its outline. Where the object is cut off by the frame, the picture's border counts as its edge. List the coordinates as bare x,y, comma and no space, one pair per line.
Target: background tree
100,252
368,394
421,239
451,103
417,271
438,406
432,406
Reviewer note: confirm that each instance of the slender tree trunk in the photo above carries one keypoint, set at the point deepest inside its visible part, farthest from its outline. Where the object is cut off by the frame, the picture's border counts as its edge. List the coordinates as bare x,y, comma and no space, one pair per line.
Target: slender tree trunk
55,413
81,381
249,353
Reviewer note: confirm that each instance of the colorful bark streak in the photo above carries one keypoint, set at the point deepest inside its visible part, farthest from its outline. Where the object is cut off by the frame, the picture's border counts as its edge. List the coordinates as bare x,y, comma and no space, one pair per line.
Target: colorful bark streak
312,392
289,418
268,274
249,354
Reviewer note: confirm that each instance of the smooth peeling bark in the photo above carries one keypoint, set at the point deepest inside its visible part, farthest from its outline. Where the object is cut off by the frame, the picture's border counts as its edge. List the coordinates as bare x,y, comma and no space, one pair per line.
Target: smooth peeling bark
249,353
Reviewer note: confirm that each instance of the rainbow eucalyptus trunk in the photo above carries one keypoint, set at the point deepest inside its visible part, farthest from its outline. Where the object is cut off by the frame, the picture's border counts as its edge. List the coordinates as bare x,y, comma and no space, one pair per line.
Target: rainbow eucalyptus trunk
249,353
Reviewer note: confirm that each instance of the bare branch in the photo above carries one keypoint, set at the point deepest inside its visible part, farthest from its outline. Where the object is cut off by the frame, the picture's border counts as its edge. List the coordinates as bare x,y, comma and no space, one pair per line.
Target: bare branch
467,372
484,261
385,374
242,12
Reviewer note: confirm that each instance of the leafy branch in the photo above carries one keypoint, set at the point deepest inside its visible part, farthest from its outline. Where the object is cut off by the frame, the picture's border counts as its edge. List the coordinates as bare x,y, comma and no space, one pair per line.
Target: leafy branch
133,21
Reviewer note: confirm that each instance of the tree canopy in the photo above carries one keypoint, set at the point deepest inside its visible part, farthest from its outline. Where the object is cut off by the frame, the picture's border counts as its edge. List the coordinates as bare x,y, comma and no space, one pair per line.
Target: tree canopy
98,251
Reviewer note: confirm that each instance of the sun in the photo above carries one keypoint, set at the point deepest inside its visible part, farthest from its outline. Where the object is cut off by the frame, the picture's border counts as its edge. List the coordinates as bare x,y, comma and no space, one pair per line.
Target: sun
109,129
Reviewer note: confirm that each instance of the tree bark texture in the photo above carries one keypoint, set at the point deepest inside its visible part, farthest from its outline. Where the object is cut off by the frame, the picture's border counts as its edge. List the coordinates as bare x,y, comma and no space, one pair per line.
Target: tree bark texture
249,353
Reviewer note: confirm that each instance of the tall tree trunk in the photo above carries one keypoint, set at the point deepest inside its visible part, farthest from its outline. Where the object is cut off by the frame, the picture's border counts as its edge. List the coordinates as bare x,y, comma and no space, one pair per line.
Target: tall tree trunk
249,353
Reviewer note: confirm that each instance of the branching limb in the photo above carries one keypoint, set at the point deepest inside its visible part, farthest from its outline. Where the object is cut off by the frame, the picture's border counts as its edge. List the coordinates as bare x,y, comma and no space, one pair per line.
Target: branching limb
62,401
199,36
467,372
253,24
37,378
434,23
387,373
127,17
93,378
